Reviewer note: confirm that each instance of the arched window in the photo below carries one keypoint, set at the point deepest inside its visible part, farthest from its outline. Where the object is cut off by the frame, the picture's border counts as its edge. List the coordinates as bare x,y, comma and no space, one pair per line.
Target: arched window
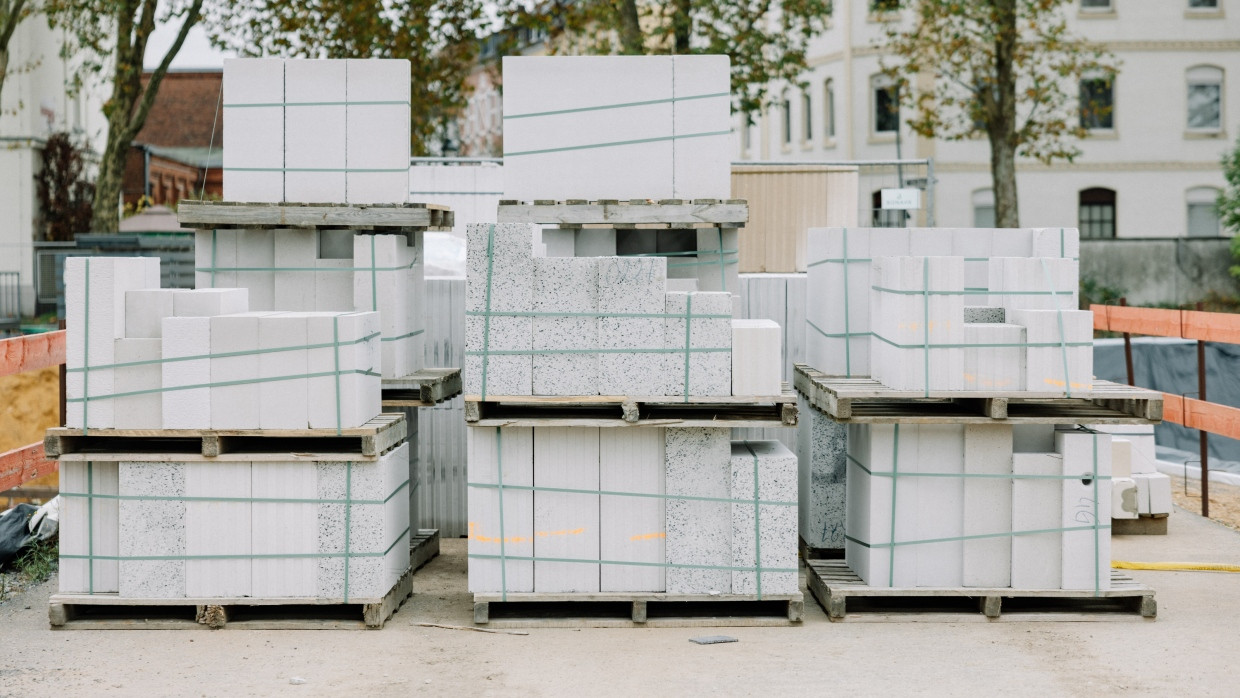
984,208
1205,98
1203,212
828,109
1097,213
885,217
885,104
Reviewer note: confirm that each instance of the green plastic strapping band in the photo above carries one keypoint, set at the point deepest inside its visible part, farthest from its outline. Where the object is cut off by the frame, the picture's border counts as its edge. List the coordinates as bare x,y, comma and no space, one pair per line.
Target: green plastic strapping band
230,354
992,345
665,565
316,169
925,323
90,495
214,263
90,522
847,328
838,335
499,477
620,105
1067,379
486,319
977,536
757,516
614,144
1094,475
723,276
616,493
348,512
968,292
374,277
990,476
659,350
895,462
688,333
221,384
86,352
549,313
336,353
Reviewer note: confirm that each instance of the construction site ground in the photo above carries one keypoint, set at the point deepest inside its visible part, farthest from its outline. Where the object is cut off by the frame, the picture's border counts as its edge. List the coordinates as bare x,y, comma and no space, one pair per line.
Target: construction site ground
1188,650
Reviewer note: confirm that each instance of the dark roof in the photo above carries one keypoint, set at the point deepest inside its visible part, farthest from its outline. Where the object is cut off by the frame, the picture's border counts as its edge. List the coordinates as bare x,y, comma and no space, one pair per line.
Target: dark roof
185,111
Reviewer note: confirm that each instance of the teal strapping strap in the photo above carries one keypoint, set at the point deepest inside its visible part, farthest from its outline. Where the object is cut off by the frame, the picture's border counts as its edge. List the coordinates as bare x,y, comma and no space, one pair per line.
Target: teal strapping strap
86,351
847,328
925,323
486,320
91,495
336,358
526,352
837,335
348,512
757,517
1094,476
617,493
968,292
665,565
614,144
374,277
977,536
619,105
688,335
316,169
1067,379
990,345
895,463
90,522
229,354
989,476
499,478
548,313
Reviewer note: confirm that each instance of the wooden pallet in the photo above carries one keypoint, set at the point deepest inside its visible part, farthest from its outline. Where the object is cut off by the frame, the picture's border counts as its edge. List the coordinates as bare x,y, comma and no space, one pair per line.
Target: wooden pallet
636,610
808,552
110,612
426,388
627,411
379,218
365,443
1144,525
628,213
423,547
865,400
833,584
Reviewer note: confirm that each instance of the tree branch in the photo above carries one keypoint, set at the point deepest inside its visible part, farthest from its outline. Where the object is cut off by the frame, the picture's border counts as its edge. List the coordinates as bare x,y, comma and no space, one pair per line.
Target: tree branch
152,87
11,16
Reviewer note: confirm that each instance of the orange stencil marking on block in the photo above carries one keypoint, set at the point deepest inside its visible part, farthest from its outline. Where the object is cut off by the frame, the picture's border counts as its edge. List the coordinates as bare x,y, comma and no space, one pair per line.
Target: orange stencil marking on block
474,535
648,536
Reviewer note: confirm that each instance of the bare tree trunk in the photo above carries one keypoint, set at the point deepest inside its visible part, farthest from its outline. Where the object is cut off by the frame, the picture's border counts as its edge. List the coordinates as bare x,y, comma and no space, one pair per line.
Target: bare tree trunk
682,23
105,216
4,69
1002,127
11,12
632,42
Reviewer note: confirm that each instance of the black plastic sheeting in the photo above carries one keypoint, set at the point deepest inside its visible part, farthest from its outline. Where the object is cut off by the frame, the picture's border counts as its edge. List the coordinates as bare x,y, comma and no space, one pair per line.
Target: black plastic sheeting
1170,365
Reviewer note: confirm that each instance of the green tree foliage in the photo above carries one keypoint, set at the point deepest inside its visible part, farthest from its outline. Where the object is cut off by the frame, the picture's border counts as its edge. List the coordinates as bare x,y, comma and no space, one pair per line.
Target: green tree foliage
1007,68
766,40
65,191
439,37
1229,203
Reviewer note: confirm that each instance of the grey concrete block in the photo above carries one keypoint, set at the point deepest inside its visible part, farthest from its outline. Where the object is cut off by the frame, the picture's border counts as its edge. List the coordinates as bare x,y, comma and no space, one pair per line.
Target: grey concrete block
771,540
822,451
363,522
152,528
984,314
709,373
499,278
566,285
631,285
698,462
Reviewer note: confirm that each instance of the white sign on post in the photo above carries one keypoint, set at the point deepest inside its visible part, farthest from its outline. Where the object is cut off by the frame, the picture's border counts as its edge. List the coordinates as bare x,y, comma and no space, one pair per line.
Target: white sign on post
905,199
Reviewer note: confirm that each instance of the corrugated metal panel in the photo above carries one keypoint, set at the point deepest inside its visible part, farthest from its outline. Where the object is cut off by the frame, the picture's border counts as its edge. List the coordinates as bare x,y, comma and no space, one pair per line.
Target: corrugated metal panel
778,297
784,202
441,429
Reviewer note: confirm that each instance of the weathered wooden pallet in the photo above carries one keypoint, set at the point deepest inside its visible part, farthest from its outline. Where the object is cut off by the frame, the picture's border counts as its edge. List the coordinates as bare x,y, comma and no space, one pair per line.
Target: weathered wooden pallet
809,552
628,213
1143,525
625,411
834,584
427,387
110,612
636,610
423,547
219,215
365,443
865,400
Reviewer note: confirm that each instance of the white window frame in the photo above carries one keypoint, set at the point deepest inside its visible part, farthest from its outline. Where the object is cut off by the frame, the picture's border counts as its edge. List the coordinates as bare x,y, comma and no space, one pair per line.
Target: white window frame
878,82
1101,130
1204,75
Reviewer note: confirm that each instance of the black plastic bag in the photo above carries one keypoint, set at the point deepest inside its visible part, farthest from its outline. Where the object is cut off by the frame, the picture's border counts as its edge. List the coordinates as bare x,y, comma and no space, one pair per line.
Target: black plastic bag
15,532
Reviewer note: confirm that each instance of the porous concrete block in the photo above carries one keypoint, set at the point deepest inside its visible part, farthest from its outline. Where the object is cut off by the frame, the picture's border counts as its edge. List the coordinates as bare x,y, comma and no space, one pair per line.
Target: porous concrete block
253,97
139,404
349,530
702,362
994,357
698,464
153,527
1060,357
570,366
987,505
283,404
976,245
209,302
1037,505
500,281
1124,495
145,310
988,314
764,539
566,525
333,285
89,527
182,407
314,131
632,286
235,402
353,396
384,287
757,357
501,550
218,528
821,464
631,528
1085,542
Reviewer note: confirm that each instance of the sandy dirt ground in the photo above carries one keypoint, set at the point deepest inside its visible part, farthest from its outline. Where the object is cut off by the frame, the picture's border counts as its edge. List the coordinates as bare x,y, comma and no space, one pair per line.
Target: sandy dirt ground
1224,499
1189,650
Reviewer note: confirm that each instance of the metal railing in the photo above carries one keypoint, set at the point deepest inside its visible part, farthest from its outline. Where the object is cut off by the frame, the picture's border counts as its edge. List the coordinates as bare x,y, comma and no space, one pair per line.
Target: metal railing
10,301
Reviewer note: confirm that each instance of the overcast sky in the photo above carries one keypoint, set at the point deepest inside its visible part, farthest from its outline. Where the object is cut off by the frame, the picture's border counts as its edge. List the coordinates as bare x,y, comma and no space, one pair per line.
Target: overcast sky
196,52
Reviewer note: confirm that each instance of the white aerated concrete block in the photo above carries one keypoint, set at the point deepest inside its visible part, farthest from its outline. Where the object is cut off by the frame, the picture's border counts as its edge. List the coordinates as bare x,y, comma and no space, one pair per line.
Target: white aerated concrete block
284,528
1121,457
283,404
1153,493
217,528
502,282
500,457
145,310
594,242
698,532
566,525
88,527
186,408
716,265
209,302
1124,497
703,356
566,285
235,401
143,407
822,464
1037,505
554,150
762,472
560,242
1141,438
355,398
296,252
988,505
379,93
255,250
976,245
631,529
631,285
152,525
385,289
702,124
939,503
314,131
1064,340
1034,283
918,334
1086,548
254,154
414,259
333,284
756,358
1055,242
994,357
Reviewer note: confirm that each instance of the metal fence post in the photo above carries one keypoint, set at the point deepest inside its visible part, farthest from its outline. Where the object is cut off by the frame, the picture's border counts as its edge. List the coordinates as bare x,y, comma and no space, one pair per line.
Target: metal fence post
1202,433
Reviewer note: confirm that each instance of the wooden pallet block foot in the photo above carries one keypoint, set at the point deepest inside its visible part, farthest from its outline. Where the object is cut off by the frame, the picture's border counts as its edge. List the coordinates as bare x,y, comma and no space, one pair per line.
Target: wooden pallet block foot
212,616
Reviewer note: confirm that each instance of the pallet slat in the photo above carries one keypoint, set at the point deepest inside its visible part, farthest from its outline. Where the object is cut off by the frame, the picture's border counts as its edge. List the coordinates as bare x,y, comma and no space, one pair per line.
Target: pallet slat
588,610
229,214
426,388
622,411
733,213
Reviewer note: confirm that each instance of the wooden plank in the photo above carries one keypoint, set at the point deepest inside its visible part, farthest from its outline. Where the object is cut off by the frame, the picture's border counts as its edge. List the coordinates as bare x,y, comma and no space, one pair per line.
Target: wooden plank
730,214
427,387
1211,327
216,214
32,352
423,547
787,396
1155,322
556,610
21,465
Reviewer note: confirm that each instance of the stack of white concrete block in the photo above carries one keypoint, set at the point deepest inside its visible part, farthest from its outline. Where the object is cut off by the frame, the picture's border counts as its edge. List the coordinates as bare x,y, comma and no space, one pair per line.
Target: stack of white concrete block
602,325
142,357
316,131
327,271
323,530
979,506
1138,488
1000,306
590,510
